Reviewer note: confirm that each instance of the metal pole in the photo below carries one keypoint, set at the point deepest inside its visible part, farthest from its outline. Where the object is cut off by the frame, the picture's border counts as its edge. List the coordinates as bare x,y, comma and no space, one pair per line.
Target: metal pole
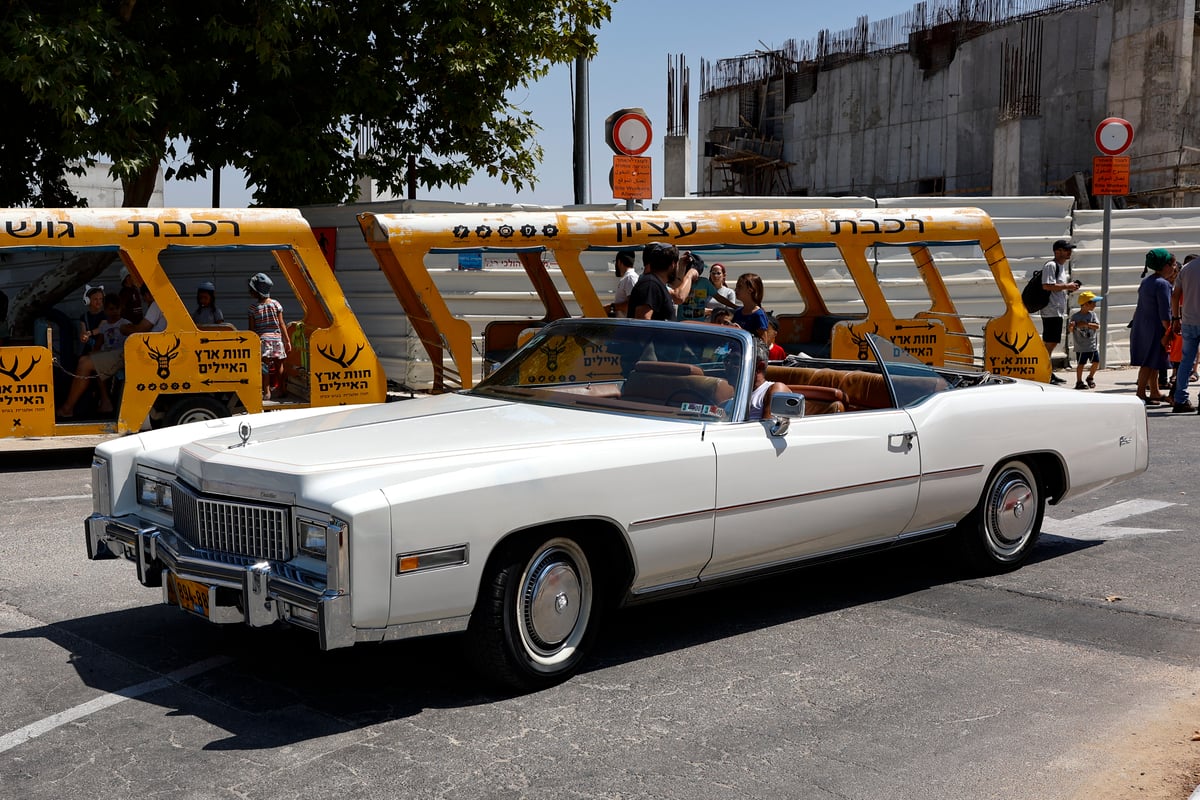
582,151
1103,339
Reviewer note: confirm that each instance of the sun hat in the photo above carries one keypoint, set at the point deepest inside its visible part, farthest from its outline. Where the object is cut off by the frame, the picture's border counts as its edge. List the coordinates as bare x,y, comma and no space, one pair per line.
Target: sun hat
261,284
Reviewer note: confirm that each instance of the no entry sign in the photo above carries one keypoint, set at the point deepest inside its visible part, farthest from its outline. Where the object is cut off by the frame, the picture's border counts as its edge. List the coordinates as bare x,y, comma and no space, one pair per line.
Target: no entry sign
1114,135
628,132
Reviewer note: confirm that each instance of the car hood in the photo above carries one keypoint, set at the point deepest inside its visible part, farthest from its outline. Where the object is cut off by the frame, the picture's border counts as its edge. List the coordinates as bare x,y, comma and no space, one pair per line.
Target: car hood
366,447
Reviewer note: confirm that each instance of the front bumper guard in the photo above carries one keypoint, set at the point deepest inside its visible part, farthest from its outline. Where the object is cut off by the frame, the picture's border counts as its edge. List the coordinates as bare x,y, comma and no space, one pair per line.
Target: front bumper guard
263,592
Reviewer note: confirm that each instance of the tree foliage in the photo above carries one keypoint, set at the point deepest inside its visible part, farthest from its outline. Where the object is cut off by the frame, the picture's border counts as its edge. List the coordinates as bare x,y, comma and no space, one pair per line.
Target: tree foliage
303,96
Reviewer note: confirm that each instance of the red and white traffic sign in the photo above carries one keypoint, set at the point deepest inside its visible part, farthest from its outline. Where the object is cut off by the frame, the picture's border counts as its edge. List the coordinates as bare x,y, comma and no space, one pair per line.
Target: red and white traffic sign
1114,135
631,133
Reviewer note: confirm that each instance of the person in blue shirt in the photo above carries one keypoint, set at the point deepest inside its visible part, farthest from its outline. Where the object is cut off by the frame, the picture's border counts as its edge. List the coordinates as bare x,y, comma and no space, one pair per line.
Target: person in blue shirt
749,292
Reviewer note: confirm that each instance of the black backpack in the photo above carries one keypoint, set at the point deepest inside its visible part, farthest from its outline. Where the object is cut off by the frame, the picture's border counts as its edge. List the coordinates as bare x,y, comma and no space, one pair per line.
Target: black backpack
1034,296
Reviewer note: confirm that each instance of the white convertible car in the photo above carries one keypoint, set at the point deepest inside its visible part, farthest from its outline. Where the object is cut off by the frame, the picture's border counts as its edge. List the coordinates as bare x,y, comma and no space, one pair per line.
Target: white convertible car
609,461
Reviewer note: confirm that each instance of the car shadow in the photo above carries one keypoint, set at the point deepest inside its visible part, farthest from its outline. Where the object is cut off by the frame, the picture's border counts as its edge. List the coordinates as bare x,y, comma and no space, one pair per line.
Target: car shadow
49,459
811,591
275,688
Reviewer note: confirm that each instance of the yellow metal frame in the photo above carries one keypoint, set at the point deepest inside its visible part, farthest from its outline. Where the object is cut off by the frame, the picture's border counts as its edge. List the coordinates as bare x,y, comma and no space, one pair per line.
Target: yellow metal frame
1011,343
183,359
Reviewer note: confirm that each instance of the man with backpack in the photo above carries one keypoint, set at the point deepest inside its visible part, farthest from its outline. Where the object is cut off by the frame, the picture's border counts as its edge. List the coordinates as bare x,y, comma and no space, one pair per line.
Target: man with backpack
1054,281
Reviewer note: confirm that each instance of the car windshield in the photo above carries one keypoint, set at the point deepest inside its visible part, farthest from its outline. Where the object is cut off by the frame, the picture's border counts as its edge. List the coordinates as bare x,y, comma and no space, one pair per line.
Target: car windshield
910,380
663,369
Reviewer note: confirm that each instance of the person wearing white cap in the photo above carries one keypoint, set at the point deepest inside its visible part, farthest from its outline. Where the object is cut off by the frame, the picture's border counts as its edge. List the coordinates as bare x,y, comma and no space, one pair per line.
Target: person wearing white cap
1085,328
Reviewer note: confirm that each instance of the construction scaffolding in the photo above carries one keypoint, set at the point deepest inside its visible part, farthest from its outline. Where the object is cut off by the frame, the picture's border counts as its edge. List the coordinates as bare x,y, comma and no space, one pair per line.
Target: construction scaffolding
747,159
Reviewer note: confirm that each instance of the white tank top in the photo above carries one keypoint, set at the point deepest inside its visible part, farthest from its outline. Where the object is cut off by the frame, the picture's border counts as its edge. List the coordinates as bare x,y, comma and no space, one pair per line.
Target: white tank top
756,400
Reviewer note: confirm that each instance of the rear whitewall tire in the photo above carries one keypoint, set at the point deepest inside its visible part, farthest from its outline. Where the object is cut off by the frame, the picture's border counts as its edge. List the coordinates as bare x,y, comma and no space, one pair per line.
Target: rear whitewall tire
1003,529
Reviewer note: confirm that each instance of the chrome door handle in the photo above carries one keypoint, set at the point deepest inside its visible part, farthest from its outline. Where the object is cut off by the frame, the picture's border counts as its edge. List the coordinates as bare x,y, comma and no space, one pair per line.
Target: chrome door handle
905,440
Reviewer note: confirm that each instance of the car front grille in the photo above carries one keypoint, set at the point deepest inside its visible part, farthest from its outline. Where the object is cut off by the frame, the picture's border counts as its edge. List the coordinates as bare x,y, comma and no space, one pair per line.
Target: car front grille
245,529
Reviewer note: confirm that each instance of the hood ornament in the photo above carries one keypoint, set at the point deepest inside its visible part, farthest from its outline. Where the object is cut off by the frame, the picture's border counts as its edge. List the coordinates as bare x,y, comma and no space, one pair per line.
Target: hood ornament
244,432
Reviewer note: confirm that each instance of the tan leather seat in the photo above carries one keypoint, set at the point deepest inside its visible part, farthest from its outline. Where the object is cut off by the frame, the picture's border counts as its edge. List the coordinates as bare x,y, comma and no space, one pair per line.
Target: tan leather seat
790,375
858,390
820,399
668,383
866,390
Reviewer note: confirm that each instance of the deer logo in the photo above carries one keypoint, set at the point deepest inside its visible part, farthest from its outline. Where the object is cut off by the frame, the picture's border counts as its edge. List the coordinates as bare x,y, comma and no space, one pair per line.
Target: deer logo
864,352
164,359
340,359
12,371
552,352
1003,340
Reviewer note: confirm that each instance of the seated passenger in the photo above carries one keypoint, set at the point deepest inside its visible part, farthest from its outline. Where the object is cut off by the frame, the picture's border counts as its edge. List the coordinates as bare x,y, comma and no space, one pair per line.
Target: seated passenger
206,312
761,390
770,334
104,364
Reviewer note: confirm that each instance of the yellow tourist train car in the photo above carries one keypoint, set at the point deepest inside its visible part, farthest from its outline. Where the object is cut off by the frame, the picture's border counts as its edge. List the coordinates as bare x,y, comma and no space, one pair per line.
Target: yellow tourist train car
1009,344
185,373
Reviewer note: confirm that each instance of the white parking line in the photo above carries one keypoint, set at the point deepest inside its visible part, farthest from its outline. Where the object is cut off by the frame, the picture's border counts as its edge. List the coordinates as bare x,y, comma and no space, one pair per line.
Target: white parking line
50,499
1094,526
33,730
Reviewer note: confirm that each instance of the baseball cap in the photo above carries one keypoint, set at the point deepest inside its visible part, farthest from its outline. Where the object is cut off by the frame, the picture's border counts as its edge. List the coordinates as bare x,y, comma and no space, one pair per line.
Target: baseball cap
1089,297
1063,244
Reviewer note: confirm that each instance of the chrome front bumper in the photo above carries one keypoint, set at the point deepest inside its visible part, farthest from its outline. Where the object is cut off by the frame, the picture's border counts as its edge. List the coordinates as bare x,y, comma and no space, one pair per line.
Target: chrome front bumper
241,589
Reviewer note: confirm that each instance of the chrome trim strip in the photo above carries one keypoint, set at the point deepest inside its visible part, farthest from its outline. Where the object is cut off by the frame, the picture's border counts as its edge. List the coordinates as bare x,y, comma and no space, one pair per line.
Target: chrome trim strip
101,486
971,469
936,529
411,630
239,492
665,587
778,500
337,556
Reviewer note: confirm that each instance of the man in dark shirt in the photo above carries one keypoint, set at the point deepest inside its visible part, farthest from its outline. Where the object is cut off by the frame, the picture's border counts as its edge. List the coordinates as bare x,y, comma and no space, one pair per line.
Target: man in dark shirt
652,298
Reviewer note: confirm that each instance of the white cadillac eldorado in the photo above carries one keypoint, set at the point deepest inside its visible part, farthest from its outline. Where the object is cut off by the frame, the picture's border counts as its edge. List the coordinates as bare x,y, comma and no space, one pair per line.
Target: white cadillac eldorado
607,462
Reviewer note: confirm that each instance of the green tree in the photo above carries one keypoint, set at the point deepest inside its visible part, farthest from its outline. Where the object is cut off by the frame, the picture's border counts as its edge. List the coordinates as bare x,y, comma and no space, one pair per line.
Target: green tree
304,96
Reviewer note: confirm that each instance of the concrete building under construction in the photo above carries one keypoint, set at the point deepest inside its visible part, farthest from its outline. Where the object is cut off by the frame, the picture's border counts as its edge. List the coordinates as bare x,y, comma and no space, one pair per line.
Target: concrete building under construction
961,97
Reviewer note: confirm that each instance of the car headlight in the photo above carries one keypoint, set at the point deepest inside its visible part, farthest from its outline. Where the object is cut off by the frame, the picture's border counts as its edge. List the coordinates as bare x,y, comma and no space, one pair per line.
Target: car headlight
154,493
311,537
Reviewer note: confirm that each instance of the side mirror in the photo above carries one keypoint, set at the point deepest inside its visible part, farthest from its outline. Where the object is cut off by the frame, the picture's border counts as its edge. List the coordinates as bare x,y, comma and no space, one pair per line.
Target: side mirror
784,407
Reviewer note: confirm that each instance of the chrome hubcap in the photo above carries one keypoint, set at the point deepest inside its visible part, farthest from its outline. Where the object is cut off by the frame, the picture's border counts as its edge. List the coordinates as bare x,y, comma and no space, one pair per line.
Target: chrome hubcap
1011,514
555,602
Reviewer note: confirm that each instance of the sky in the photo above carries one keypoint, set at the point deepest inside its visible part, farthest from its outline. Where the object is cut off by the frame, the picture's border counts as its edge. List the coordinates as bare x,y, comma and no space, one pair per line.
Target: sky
630,71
